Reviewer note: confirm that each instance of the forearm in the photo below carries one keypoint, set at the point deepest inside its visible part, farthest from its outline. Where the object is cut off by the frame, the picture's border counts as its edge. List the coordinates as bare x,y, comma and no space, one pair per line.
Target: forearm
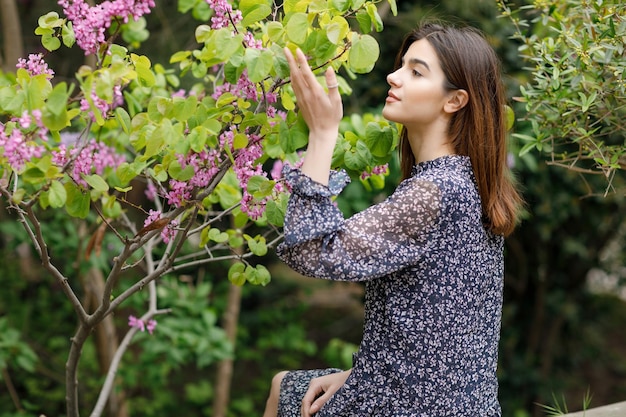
319,154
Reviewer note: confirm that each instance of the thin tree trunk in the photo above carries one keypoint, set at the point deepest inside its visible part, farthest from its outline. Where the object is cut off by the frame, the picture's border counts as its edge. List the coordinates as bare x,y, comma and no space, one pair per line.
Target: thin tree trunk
225,367
106,340
13,45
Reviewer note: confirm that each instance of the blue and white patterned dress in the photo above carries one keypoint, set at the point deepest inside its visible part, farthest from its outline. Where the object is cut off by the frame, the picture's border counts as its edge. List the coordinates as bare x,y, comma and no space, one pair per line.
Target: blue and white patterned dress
433,300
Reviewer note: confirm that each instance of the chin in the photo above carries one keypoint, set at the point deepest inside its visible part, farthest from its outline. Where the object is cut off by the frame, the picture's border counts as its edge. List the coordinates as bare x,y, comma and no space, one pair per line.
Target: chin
388,115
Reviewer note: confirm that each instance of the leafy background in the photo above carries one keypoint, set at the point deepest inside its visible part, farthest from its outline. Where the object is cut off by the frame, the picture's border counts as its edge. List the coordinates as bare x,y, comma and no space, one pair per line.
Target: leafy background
561,336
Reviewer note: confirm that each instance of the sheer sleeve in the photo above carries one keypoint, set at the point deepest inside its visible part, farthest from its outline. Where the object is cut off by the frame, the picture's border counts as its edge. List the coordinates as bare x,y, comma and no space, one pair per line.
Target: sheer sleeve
380,240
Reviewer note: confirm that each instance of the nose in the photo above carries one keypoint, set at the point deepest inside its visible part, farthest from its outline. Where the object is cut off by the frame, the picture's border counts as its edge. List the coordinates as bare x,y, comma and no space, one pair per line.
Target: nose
393,79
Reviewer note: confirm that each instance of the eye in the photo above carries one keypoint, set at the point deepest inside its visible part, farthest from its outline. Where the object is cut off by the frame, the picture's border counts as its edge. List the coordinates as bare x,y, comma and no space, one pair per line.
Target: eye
416,73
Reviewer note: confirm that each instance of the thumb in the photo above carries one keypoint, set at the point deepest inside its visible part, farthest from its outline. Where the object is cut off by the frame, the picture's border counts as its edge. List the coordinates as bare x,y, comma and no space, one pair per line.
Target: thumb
319,402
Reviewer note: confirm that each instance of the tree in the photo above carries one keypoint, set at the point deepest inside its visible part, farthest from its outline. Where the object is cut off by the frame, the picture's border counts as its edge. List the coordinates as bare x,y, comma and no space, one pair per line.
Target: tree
86,150
576,97
11,33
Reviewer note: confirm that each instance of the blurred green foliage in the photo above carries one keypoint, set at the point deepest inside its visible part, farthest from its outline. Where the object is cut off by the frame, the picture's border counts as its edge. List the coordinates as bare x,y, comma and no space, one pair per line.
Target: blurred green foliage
558,337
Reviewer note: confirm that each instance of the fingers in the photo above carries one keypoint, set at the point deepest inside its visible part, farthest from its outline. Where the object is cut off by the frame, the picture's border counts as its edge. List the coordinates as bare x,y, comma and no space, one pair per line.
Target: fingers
302,77
333,85
319,402
309,398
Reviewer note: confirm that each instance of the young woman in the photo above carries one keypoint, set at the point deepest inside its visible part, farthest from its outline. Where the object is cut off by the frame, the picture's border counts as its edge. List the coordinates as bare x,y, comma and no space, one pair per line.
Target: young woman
431,254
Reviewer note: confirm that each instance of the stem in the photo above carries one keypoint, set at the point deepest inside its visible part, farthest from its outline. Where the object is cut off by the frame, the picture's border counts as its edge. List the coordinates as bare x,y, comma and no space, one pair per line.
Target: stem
115,362
71,368
42,249
225,367
11,388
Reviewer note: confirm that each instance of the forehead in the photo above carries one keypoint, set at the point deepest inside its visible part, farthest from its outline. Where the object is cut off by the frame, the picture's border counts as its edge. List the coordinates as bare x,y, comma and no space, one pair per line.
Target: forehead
421,52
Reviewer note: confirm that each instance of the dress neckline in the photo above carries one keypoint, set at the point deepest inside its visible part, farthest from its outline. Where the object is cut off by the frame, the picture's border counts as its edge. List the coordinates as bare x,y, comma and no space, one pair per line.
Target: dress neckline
442,161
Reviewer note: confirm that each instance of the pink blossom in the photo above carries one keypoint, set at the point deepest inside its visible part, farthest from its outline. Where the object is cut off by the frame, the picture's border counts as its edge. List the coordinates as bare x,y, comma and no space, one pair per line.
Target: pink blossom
35,65
151,191
136,323
91,23
141,325
169,231
151,325
19,146
377,170
223,14
101,104
92,158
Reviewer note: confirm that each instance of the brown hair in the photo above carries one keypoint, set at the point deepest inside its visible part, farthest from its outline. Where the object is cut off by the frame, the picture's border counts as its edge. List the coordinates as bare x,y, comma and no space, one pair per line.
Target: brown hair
478,130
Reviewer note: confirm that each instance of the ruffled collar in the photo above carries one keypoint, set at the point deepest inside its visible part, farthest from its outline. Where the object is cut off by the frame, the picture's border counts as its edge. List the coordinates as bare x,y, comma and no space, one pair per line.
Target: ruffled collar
445,161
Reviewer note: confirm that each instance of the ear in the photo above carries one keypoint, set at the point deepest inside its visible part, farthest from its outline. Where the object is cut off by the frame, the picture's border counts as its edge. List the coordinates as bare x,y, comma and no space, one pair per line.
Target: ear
457,99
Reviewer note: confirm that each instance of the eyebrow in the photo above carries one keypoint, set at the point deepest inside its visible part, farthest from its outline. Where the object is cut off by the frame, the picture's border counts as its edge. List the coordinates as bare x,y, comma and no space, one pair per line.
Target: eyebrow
417,61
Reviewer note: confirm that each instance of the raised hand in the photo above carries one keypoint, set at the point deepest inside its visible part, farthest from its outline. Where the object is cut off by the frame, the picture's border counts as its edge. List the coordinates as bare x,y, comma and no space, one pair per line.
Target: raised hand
322,112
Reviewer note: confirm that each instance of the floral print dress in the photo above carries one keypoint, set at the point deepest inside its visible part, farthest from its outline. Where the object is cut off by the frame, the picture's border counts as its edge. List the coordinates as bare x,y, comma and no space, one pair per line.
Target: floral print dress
433,298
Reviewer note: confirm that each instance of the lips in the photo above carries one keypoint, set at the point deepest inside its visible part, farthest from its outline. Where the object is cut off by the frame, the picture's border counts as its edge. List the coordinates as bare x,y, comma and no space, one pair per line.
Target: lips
391,97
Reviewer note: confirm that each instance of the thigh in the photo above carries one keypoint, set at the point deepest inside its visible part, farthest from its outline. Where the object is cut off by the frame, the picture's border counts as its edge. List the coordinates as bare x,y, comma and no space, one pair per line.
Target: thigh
294,386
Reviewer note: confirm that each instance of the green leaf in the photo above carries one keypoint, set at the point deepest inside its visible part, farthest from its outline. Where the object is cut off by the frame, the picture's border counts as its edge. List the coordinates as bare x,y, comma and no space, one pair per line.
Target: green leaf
51,43
180,56
275,31
295,138
97,183
50,20
55,116
291,6
57,195
257,245
184,108
258,275
78,202
341,6
337,29
259,63
364,20
236,273
123,118
260,186
126,172
178,173
358,158
240,141
217,235
185,5
275,210
372,11
363,54
145,76
297,28
254,14
379,140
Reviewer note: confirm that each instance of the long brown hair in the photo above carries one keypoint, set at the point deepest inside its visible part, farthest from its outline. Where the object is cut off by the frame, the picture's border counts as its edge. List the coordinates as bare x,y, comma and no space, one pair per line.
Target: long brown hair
478,130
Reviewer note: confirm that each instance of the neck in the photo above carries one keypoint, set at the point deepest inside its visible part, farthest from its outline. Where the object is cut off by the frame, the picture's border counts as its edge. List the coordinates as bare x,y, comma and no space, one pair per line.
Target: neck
429,146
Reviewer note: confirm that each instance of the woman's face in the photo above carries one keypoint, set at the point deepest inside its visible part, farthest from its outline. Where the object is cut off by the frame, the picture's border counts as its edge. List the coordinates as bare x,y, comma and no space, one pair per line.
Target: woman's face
417,95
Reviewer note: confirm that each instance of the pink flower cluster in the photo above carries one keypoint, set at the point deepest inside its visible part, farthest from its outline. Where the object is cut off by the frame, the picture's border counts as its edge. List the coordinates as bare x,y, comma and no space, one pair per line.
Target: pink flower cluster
35,65
377,170
101,104
91,23
223,14
245,167
139,324
169,231
18,139
205,166
92,158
